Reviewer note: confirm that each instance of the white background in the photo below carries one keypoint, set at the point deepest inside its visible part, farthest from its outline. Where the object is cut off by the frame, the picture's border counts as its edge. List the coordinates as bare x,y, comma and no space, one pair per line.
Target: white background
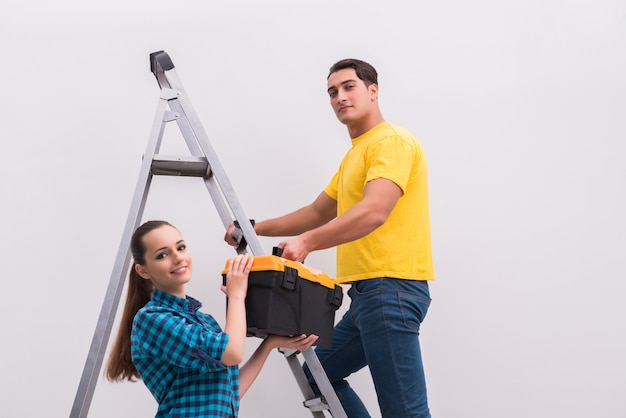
520,106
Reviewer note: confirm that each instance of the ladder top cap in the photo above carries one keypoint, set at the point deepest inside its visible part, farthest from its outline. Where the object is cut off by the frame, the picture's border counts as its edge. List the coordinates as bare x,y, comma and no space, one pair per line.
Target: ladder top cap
160,60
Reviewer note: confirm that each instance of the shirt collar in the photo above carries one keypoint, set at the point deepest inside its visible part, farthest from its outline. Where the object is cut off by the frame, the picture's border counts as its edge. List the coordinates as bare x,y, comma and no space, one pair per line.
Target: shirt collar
370,133
188,304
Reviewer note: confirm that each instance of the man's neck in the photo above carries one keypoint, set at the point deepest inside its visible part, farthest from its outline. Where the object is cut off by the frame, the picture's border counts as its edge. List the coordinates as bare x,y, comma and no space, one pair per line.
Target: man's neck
360,128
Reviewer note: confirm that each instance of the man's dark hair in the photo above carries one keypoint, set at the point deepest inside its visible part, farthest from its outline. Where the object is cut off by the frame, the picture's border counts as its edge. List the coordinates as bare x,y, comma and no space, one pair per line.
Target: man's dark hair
364,71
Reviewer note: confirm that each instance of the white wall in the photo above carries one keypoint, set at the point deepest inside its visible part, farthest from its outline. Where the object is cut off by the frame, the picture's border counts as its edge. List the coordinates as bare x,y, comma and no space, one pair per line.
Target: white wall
520,106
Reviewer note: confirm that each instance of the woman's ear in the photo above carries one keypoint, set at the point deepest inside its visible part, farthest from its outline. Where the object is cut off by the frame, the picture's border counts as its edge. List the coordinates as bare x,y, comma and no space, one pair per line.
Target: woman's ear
141,271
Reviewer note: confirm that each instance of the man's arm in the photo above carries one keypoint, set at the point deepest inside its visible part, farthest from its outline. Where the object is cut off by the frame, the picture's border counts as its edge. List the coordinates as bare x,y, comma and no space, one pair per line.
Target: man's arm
379,198
321,211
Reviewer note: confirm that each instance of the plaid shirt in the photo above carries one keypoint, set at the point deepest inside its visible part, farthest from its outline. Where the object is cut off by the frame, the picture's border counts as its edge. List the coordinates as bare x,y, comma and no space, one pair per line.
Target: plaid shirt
177,351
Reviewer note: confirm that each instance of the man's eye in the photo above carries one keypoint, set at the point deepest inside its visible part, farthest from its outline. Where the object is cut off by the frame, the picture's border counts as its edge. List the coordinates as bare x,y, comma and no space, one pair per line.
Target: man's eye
332,93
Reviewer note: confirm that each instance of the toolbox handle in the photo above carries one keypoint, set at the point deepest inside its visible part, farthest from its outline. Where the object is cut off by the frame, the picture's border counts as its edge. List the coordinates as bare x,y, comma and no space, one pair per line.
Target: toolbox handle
238,235
277,251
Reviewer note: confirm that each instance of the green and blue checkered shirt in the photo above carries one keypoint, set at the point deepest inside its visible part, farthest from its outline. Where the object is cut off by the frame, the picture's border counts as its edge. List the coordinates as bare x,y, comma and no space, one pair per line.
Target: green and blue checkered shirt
177,350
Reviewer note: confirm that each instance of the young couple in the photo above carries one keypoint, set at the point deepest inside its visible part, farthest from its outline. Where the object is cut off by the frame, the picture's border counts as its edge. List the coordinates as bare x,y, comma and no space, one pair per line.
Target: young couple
375,211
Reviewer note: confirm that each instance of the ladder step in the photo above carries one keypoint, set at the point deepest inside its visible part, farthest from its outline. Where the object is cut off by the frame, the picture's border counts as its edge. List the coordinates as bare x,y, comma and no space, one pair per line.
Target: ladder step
189,166
316,405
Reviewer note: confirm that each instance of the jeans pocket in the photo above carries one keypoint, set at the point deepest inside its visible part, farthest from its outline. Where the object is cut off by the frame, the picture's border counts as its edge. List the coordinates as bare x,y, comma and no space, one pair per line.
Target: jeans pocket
367,287
413,308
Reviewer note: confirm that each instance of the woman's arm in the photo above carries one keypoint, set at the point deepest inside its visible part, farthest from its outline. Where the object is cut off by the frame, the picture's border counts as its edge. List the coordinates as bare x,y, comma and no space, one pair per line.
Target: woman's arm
249,371
236,289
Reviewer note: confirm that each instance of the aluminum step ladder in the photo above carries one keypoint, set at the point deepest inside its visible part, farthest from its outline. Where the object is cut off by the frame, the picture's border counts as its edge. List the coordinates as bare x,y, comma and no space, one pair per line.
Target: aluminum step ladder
174,105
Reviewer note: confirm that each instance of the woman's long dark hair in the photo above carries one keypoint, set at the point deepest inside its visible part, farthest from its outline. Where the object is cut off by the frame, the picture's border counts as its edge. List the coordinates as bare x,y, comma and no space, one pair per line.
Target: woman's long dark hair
120,366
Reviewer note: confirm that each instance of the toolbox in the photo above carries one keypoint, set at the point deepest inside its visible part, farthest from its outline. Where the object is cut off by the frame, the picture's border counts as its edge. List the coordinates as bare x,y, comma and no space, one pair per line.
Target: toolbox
288,298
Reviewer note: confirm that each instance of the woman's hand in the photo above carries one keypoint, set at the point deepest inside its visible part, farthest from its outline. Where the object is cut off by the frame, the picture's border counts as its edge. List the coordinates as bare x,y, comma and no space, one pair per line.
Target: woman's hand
298,343
237,276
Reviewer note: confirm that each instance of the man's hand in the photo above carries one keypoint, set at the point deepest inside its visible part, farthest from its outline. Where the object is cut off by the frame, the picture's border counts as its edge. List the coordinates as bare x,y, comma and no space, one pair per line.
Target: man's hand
228,237
295,249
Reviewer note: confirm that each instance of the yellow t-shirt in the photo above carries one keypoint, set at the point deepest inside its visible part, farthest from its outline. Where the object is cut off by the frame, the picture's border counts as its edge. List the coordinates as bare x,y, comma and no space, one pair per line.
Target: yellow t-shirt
401,247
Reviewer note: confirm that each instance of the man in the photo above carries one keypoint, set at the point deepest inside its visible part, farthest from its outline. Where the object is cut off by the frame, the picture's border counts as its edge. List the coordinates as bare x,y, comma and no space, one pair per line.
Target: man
375,210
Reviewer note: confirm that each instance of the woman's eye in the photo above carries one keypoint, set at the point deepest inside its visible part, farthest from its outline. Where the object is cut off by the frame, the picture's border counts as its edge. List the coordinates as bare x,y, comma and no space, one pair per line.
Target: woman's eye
161,256
182,248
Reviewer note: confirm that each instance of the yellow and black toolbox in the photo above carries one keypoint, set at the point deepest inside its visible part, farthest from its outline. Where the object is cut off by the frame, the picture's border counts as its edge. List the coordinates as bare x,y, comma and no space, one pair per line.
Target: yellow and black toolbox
288,298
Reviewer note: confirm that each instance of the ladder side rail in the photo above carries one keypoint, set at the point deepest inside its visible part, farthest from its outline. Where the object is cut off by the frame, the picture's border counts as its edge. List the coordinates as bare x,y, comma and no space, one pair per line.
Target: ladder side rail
209,179
309,396
93,364
160,62
323,383
164,71
225,214
184,107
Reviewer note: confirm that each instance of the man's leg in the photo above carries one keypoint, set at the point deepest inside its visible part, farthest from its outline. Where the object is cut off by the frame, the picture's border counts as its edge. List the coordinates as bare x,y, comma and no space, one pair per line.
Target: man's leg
388,313
343,358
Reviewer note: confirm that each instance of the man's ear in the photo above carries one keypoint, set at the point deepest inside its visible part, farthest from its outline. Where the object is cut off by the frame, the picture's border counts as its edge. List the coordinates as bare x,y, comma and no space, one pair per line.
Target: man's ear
141,271
373,88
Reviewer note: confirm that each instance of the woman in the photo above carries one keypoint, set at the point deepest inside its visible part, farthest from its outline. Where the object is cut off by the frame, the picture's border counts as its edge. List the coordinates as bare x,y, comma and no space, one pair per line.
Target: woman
183,356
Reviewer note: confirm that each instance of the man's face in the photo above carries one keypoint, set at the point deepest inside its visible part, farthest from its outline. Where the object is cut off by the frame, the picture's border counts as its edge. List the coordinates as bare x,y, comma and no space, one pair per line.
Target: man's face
351,100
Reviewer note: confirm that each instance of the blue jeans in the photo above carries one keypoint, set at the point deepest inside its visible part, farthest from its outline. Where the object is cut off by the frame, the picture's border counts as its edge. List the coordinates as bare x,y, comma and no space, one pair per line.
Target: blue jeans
380,330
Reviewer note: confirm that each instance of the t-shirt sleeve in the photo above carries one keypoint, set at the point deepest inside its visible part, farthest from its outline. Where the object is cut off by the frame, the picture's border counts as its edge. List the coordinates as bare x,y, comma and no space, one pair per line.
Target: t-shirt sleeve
332,187
392,159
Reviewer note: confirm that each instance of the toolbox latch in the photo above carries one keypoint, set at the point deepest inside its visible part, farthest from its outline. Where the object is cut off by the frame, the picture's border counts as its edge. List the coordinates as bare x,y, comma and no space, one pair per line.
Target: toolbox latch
337,297
290,278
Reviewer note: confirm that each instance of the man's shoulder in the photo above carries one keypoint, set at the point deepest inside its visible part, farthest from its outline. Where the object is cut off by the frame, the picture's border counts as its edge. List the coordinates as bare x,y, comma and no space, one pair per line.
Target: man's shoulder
400,131
389,130
389,134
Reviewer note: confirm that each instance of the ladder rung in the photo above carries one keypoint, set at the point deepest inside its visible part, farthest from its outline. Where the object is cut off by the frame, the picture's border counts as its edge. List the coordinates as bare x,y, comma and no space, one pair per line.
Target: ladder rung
316,405
190,166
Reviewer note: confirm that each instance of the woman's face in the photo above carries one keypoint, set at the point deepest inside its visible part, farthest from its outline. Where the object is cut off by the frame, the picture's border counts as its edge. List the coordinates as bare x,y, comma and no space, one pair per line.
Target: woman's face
168,262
